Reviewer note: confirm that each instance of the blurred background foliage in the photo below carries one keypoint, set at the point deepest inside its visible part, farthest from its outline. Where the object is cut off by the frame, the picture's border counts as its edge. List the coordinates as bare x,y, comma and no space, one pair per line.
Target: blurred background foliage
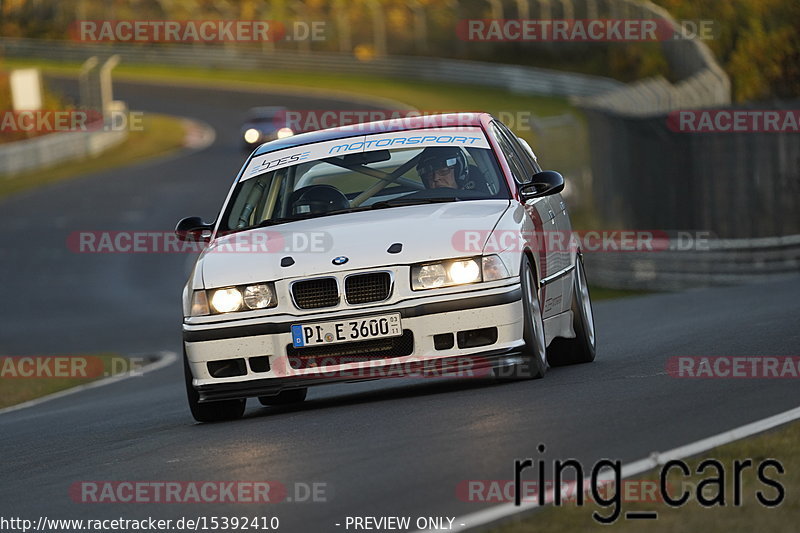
756,41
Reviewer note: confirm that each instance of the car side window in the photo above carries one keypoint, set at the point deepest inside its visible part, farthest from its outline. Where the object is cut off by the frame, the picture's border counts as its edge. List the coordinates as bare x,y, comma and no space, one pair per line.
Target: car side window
529,154
514,162
527,162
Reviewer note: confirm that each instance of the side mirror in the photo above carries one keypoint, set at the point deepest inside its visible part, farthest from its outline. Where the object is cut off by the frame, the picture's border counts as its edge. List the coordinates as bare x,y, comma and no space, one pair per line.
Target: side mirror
193,229
543,184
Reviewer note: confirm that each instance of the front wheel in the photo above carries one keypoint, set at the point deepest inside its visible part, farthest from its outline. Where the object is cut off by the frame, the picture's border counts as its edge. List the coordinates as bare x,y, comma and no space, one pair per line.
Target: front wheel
582,348
212,411
534,363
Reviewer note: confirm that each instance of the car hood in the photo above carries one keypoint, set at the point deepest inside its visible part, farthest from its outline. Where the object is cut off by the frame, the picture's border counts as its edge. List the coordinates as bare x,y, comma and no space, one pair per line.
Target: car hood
426,232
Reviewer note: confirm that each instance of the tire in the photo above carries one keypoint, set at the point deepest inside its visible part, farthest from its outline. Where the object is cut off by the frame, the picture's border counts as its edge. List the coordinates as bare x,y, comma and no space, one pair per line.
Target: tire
212,411
583,347
286,397
534,365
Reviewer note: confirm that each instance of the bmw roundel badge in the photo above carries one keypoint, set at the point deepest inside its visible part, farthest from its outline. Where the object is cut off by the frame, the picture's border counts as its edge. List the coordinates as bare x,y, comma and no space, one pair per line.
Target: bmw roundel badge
340,260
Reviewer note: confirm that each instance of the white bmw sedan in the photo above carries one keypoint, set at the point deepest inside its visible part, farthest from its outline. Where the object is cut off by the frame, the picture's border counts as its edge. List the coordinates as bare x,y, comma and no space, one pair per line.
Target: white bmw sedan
421,246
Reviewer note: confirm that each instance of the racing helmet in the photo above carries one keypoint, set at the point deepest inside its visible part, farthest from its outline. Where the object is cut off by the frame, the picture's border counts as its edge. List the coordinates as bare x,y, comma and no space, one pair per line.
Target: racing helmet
317,199
434,158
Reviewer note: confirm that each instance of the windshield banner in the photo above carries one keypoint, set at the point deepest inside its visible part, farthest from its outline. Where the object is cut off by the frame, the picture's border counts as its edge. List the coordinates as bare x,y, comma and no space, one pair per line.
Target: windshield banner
461,136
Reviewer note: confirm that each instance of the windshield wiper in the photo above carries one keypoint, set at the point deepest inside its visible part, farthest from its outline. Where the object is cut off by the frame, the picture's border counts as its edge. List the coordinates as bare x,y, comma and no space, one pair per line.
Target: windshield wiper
400,202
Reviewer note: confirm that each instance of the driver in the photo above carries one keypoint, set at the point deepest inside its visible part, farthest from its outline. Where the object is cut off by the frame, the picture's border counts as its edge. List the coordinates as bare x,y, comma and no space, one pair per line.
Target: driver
444,167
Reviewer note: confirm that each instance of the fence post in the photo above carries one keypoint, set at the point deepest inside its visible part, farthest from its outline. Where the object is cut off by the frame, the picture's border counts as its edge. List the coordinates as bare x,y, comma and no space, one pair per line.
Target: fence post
89,85
343,26
378,27
106,89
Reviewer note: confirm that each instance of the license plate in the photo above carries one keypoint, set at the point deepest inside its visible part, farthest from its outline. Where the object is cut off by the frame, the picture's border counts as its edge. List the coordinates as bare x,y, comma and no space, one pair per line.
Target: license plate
353,330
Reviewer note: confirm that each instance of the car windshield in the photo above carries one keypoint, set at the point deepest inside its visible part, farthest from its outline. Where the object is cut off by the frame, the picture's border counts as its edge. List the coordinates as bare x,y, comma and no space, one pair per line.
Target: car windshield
378,179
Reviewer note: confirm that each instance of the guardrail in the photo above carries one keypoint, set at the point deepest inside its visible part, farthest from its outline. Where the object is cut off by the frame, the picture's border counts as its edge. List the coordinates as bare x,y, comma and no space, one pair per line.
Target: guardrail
42,152
742,187
722,262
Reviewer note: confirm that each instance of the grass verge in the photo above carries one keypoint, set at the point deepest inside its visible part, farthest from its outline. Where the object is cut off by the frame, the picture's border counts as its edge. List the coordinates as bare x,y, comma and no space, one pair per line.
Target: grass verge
160,135
751,515
26,378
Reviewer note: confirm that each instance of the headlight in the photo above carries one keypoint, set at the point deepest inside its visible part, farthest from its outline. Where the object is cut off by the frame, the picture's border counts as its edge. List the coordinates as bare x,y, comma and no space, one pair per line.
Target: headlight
252,135
285,132
428,276
466,271
445,274
226,300
259,296
231,299
457,272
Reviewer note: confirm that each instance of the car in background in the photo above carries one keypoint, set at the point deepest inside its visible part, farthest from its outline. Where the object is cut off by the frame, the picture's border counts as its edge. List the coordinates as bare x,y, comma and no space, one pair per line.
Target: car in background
263,124
431,248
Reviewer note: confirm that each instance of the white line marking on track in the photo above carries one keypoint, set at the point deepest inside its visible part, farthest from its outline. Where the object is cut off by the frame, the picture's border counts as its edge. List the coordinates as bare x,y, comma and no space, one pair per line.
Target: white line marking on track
505,510
166,359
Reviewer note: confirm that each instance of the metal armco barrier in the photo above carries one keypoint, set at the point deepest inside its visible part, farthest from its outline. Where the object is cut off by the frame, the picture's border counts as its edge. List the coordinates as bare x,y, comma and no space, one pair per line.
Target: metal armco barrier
724,262
49,150
743,187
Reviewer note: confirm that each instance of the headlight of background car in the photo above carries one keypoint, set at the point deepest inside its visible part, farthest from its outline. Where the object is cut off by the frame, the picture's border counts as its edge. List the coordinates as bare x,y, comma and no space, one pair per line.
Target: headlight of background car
457,272
285,132
252,135
231,299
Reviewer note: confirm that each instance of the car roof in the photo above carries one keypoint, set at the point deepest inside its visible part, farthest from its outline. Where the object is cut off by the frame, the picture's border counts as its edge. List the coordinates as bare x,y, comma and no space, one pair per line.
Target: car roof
443,120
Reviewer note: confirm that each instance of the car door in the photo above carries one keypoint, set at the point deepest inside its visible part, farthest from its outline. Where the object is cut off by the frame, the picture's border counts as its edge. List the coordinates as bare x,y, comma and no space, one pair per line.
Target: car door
561,244
541,213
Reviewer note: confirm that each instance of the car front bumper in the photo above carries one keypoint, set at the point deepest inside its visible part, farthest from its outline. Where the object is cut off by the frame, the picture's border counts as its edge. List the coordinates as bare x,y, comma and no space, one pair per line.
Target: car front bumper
261,351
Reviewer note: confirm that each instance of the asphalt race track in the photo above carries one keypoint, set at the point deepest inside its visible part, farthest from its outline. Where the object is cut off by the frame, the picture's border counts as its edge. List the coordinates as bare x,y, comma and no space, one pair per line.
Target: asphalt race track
396,447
